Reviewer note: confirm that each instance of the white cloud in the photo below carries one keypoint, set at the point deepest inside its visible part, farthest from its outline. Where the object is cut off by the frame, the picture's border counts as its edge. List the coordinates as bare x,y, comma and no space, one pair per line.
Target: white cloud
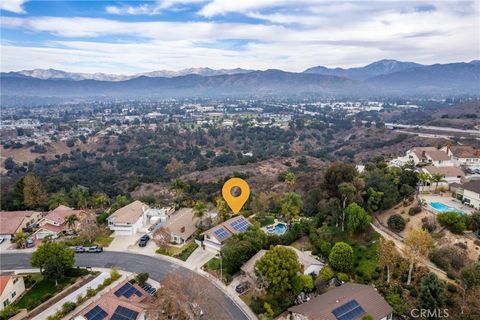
15,6
149,9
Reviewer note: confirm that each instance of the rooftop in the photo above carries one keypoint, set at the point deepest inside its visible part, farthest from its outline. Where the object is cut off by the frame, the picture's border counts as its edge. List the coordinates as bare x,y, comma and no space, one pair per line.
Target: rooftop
182,223
473,186
59,214
447,171
130,213
228,228
335,302
10,221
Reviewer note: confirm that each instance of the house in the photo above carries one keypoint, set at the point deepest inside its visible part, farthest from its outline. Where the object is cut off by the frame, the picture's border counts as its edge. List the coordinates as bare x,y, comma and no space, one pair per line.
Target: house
309,264
451,175
11,288
124,301
128,220
13,221
348,301
216,237
429,155
181,225
469,193
53,224
463,155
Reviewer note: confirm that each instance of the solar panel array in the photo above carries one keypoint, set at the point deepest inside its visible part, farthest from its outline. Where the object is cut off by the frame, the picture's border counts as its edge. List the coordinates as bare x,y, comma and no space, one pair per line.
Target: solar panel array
221,233
127,290
240,225
349,311
122,313
96,313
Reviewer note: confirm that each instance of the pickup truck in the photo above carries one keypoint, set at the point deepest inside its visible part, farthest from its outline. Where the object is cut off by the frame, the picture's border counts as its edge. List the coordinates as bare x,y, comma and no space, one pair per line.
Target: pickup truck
93,249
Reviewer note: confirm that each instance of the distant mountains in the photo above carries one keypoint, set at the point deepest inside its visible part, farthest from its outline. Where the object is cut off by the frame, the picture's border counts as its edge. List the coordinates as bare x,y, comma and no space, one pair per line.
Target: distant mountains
382,78
46,74
377,68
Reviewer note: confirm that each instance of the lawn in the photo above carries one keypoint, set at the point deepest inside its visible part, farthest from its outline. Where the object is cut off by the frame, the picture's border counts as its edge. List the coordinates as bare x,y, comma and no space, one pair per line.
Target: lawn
187,251
213,264
41,291
103,241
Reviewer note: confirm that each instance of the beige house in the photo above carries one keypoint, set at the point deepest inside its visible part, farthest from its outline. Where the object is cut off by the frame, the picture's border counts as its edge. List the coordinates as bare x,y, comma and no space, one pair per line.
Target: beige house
349,301
216,237
429,155
464,155
128,220
181,225
11,288
451,175
13,221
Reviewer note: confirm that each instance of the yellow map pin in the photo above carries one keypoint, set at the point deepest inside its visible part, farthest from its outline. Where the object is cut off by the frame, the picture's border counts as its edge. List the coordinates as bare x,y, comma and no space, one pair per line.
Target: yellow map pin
235,201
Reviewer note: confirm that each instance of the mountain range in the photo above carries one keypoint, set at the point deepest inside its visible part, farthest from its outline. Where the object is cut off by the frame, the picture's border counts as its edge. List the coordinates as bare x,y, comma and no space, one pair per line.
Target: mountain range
382,78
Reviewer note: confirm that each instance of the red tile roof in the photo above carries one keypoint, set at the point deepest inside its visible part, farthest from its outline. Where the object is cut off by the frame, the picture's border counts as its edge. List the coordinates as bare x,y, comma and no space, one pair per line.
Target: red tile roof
10,221
4,278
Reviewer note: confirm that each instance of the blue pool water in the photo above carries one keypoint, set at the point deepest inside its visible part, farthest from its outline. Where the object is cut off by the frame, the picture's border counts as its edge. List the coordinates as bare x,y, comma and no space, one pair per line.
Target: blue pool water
443,208
280,229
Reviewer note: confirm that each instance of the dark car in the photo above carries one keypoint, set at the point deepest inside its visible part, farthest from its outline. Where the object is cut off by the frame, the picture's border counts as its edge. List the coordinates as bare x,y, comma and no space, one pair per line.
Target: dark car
94,249
143,240
242,287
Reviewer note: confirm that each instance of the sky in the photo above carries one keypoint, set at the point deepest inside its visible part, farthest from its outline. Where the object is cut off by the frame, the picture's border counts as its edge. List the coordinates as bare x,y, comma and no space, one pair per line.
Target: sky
127,37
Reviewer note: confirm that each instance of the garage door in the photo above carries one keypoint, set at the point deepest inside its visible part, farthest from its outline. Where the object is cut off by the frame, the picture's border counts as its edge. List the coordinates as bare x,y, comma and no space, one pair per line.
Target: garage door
127,232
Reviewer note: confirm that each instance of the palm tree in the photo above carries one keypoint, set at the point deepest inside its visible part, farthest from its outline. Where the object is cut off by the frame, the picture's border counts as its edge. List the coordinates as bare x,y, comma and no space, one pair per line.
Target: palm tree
290,180
20,239
423,177
437,178
70,221
199,210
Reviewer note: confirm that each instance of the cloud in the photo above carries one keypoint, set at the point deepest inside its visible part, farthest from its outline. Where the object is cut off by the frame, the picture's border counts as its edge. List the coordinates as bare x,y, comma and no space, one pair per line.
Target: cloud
149,9
15,6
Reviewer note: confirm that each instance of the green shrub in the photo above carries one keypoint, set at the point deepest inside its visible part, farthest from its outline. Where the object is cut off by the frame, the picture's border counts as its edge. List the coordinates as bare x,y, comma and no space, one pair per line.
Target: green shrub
396,223
453,221
91,292
68,306
414,210
325,274
114,274
142,277
451,288
343,276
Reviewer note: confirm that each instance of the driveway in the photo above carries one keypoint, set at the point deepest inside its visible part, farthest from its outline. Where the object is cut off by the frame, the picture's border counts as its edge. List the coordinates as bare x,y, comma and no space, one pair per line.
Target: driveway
122,243
199,257
156,267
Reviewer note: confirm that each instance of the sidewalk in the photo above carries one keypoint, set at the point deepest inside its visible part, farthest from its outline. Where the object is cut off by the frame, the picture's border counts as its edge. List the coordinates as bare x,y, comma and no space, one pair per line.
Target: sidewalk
199,257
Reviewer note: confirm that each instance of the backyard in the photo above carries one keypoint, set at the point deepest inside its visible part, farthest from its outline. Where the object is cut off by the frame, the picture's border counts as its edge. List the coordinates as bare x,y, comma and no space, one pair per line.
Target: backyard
40,290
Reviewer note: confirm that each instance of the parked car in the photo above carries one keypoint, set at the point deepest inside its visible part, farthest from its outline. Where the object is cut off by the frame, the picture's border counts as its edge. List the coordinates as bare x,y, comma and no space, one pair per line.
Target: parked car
94,249
143,240
242,287
152,291
79,249
30,243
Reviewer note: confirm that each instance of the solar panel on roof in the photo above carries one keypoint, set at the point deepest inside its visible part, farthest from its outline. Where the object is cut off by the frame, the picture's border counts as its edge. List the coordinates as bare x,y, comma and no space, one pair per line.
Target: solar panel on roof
122,313
240,225
127,290
96,313
221,233
349,311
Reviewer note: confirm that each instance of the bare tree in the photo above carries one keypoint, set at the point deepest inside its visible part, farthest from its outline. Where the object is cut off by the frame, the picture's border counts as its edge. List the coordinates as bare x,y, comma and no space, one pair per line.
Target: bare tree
162,237
186,296
387,255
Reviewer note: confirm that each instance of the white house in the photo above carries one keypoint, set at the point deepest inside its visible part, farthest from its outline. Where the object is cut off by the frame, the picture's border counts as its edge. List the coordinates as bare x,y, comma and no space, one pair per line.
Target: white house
13,221
429,155
11,287
129,219
216,237
181,225
451,174
463,155
470,193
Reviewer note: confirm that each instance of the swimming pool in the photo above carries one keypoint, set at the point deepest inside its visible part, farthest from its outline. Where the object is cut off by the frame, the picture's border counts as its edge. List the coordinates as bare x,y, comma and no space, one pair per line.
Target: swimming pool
440,207
279,228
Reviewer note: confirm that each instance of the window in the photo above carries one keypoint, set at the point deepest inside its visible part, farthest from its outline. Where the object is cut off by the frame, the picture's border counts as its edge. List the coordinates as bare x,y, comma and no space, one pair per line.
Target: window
15,280
6,303
14,294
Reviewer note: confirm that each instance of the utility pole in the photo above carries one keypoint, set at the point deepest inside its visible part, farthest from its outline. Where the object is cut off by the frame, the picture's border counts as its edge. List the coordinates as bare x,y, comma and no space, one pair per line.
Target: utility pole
221,267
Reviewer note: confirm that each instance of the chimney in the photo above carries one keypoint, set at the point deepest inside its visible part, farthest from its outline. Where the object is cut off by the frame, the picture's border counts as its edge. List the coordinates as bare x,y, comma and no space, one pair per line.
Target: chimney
182,229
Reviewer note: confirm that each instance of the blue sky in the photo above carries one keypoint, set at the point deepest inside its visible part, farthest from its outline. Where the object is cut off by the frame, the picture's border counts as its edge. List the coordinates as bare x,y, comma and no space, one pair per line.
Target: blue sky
138,36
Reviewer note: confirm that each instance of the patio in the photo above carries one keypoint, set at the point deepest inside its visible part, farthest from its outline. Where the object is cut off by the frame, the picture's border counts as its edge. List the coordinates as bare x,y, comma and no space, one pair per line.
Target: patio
446,200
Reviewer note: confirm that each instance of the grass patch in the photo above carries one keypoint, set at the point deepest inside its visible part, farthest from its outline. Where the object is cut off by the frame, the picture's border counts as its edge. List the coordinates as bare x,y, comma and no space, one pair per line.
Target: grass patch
187,251
247,297
41,291
266,221
213,264
103,241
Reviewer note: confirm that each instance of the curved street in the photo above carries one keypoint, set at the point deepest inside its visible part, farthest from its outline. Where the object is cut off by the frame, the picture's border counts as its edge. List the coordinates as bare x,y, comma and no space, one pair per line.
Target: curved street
157,269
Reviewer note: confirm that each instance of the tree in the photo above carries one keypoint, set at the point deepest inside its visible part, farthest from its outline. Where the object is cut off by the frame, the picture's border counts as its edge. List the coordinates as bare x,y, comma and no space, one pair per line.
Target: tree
341,257
290,180
472,221
290,205
20,239
431,293
78,197
374,198
199,210
99,199
336,174
53,259
142,277
302,283
470,281
34,194
260,204
387,255
222,209
453,221
70,221
357,218
418,244
423,177
279,266
437,178
162,237
396,223
57,199
347,191
335,209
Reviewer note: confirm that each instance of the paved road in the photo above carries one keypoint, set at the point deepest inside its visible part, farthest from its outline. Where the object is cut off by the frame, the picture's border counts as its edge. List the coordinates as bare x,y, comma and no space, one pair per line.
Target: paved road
129,262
